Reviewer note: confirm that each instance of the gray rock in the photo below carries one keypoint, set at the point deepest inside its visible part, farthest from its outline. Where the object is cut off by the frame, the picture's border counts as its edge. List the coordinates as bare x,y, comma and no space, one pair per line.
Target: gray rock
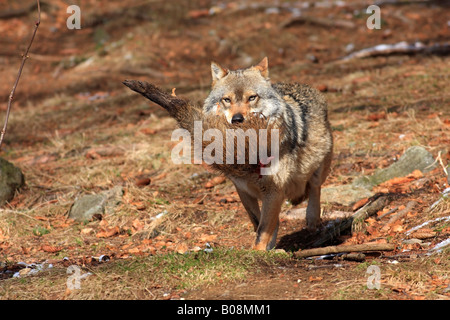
11,179
345,194
294,214
85,207
415,158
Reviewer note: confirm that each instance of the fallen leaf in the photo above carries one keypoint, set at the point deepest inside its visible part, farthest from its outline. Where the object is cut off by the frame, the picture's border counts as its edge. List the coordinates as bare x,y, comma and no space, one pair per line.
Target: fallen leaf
139,205
376,116
104,151
398,228
160,176
103,223
208,237
148,131
2,236
182,248
51,249
26,250
195,14
142,182
41,218
135,251
311,278
126,246
109,232
371,221
215,181
360,203
416,174
137,225
160,244
199,200
423,233
87,231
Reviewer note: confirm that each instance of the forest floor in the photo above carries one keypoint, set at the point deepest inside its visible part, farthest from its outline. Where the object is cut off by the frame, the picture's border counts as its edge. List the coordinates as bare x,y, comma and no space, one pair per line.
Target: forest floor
180,231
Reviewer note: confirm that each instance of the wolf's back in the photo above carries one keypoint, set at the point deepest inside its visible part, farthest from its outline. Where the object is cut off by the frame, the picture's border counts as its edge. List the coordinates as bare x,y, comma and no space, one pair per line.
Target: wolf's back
307,99
305,117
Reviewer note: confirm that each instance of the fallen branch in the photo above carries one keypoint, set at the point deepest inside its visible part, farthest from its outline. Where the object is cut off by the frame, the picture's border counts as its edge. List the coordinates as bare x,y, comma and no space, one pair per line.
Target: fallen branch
445,219
24,58
444,195
399,48
368,210
178,108
440,245
321,22
348,248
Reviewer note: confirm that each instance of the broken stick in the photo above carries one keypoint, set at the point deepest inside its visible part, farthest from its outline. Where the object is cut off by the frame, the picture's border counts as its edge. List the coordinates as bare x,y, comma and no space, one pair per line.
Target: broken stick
181,110
348,248
398,48
368,210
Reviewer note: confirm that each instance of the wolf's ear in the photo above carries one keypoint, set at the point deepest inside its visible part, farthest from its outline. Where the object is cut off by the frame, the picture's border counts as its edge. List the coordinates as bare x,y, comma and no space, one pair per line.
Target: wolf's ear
263,67
217,72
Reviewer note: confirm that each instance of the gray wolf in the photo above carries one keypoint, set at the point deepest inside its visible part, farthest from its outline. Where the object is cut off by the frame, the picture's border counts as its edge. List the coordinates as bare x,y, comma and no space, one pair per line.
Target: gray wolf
305,150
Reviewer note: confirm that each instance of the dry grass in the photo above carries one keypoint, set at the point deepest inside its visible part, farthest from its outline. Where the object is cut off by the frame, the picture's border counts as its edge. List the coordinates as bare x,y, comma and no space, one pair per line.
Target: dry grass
152,277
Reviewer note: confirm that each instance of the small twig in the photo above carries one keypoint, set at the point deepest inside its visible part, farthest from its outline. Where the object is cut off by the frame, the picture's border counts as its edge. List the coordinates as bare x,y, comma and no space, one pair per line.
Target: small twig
348,248
18,213
400,214
387,213
24,58
435,161
441,163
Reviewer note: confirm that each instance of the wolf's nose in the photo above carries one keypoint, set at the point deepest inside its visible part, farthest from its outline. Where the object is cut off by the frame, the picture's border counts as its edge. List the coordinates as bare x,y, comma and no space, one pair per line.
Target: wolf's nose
237,118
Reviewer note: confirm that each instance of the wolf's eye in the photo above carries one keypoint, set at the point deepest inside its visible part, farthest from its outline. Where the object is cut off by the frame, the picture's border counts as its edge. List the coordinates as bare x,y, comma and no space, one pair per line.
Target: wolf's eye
252,98
226,100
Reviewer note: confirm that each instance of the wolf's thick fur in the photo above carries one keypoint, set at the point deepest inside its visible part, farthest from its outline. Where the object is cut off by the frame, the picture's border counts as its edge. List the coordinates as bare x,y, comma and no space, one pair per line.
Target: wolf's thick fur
247,99
305,150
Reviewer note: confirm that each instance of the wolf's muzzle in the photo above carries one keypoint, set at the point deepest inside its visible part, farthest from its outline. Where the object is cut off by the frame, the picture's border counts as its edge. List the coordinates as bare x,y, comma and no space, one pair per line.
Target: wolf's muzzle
237,118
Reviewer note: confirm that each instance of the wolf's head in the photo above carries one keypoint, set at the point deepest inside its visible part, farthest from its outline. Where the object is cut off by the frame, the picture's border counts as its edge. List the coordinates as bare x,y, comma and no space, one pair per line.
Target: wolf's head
242,93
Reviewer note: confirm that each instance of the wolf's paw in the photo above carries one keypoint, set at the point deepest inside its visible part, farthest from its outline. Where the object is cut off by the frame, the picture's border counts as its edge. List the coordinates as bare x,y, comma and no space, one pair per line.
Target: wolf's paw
312,225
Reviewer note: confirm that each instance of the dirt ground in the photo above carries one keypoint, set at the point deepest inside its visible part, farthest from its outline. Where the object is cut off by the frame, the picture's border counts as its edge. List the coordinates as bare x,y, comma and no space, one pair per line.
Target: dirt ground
75,130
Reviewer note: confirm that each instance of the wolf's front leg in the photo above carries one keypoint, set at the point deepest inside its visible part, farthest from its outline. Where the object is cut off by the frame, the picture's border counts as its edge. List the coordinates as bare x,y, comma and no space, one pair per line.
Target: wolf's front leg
266,234
251,205
313,209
